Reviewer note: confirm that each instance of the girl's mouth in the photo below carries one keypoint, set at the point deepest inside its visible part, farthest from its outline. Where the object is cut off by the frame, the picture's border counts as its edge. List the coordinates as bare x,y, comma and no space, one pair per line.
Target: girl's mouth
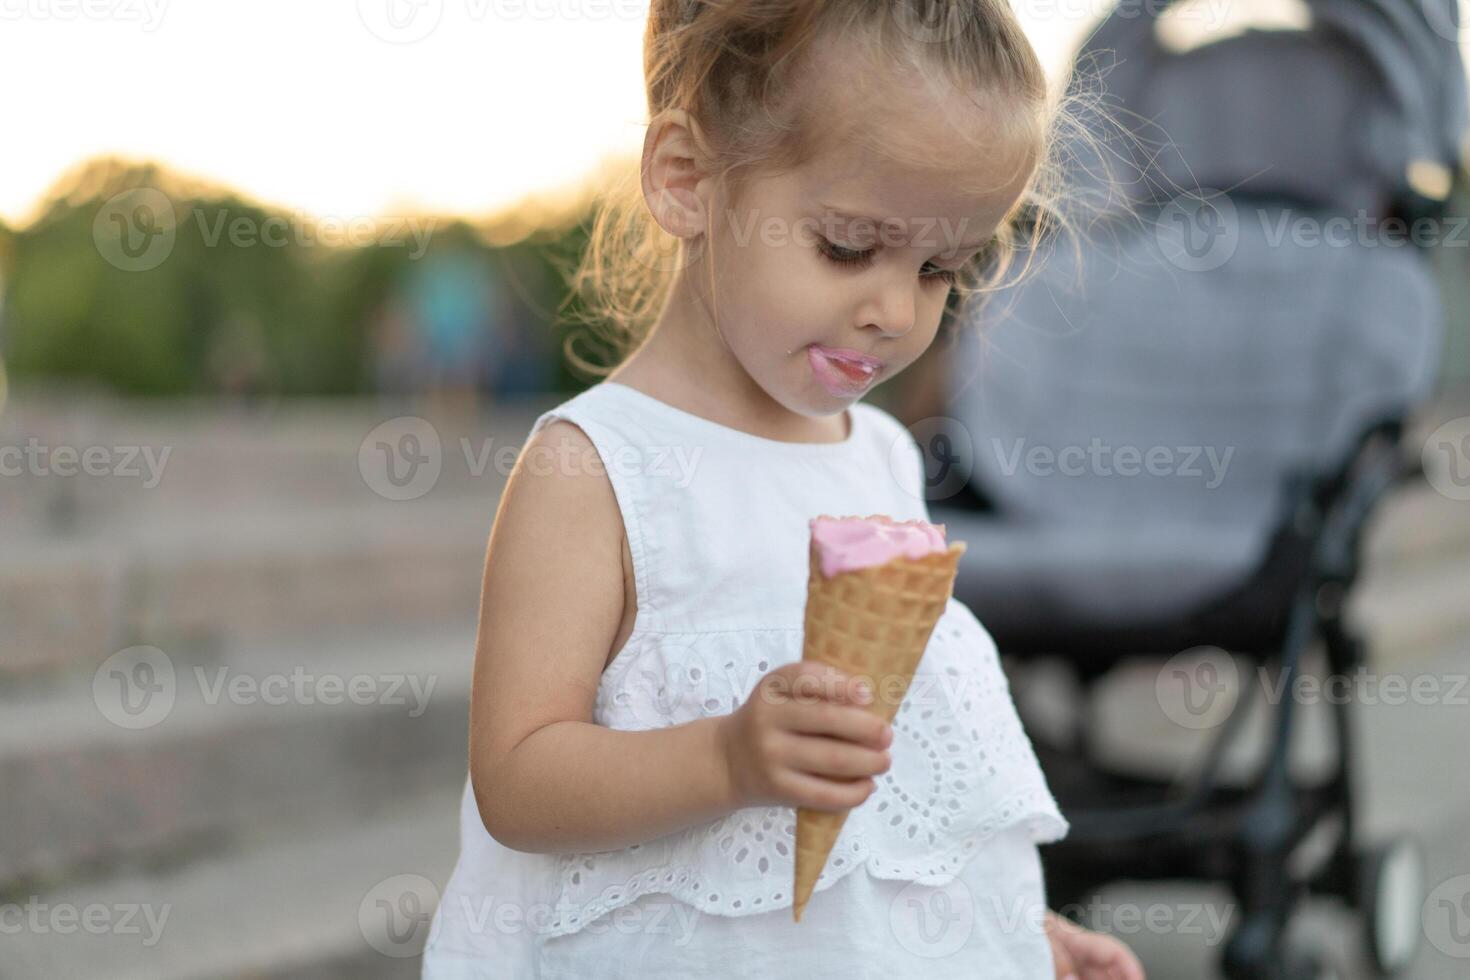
842,376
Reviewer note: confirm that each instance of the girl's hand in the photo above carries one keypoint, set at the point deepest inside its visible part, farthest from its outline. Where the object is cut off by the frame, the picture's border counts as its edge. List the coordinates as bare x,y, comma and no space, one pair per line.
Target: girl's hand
804,739
1086,955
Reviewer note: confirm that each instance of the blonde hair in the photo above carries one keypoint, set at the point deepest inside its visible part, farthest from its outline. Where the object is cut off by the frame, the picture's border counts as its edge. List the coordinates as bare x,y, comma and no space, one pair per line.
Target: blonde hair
732,65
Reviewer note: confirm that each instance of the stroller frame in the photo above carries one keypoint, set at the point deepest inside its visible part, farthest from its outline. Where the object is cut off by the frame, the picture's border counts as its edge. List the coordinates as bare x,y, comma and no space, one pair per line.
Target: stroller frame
1246,836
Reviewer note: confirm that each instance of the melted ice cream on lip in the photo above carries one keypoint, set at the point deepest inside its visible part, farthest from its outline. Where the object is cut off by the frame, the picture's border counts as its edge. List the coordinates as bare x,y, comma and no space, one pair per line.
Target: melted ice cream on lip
846,544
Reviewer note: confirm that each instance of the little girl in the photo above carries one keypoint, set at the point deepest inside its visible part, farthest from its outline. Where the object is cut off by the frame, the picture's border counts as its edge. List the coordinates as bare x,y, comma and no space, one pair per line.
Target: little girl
642,725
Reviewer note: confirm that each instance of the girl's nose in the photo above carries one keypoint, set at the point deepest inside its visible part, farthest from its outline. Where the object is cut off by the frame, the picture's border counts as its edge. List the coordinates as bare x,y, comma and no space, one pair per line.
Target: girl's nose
892,311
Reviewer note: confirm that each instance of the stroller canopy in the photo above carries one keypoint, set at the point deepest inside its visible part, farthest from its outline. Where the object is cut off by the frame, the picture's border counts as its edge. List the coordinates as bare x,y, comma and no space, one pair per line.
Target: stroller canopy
1368,102
1137,417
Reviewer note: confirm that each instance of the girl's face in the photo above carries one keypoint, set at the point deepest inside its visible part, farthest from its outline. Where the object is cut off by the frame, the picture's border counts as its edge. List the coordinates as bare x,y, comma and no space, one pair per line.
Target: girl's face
849,260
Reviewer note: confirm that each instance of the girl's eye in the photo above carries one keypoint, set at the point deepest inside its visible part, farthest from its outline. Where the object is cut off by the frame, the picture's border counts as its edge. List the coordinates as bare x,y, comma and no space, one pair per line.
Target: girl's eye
854,258
845,256
943,275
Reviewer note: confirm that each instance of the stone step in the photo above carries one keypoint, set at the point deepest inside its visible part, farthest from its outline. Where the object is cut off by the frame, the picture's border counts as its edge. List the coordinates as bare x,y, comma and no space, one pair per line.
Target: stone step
184,751
1419,606
267,518
154,462
1417,525
71,603
309,905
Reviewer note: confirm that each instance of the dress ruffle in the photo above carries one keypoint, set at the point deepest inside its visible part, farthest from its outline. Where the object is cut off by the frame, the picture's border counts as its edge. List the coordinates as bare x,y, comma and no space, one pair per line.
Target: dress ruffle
963,770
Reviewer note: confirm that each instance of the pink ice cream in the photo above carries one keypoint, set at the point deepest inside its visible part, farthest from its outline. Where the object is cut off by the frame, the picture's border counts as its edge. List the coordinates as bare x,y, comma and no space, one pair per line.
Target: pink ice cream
845,544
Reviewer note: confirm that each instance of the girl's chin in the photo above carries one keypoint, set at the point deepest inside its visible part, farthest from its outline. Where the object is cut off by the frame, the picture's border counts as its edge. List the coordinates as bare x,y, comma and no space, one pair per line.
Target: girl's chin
813,402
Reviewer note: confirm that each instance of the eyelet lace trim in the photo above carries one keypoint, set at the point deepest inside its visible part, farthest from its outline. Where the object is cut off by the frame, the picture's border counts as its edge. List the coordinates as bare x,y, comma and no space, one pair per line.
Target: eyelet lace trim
729,895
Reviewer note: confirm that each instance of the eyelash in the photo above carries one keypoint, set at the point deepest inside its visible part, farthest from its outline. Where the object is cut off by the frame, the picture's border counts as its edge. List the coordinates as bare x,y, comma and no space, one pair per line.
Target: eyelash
861,260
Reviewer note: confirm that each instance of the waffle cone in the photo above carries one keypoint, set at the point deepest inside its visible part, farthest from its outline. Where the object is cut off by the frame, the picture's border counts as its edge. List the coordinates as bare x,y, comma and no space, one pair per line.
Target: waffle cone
873,623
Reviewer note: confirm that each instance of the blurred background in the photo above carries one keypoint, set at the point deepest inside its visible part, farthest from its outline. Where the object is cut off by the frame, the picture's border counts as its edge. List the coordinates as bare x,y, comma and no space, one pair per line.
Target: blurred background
279,297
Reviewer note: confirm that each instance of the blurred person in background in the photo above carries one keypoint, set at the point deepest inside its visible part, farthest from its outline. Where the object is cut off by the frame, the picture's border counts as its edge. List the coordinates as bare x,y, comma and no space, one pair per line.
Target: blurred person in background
239,360
524,362
450,298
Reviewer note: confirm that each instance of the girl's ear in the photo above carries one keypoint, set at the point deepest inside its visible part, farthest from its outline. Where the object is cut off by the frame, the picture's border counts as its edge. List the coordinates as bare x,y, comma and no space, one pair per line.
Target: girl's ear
676,181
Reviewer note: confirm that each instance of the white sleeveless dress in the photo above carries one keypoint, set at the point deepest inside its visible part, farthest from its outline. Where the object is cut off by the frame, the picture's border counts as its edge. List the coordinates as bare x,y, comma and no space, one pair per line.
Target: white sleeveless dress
935,875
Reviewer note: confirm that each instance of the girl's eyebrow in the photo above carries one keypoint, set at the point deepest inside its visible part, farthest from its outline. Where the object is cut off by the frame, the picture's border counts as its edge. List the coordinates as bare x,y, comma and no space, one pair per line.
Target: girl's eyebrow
846,215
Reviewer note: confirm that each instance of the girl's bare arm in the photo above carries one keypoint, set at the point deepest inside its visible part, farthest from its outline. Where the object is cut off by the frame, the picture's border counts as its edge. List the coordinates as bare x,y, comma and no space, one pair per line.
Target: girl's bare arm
545,777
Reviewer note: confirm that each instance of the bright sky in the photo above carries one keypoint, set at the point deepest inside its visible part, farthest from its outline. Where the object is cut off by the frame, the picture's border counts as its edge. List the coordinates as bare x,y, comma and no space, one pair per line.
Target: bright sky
343,107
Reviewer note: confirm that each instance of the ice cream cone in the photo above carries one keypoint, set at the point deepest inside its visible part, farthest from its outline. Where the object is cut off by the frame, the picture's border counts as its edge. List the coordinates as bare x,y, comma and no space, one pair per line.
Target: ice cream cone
871,622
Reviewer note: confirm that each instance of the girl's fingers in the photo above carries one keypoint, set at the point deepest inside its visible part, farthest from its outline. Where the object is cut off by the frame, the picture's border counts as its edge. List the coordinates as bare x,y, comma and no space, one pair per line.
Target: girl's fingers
833,758
1061,955
843,721
1104,956
1090,955
1130,968
810,682
817,793
1065,968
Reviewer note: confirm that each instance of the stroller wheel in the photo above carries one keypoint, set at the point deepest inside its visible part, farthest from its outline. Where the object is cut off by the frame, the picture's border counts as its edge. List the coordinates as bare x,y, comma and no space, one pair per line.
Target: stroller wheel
1391,897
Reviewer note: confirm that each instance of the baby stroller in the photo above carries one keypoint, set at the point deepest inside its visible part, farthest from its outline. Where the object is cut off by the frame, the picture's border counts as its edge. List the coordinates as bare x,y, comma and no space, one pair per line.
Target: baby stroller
1176,443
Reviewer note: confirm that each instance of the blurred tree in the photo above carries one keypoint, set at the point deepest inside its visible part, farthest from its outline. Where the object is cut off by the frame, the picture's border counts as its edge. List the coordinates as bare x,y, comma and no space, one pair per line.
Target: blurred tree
7,261
79,308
